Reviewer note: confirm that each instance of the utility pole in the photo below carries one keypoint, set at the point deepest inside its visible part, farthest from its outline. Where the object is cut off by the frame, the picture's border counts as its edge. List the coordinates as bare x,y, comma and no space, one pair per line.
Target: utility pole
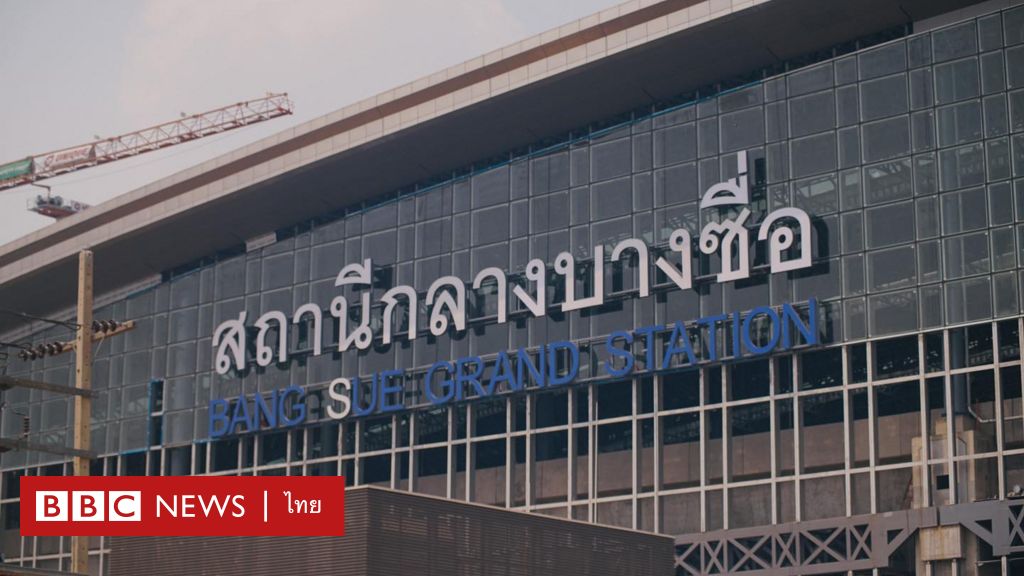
83,403
87,333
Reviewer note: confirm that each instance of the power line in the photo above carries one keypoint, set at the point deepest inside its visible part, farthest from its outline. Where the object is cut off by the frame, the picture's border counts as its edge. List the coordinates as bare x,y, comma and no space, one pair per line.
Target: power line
71,325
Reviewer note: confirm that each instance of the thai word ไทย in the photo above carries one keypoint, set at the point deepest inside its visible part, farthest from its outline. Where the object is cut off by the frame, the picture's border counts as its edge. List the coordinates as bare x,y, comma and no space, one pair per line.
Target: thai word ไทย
787,232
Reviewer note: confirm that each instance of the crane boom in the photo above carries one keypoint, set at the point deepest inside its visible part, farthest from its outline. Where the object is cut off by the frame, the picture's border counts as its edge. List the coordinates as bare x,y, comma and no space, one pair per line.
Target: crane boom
102,151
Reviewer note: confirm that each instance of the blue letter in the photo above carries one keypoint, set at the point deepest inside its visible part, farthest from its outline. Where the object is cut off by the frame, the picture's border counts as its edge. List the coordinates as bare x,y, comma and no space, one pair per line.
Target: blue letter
388,392
241,416
623,353
446,384
808,331
649,341
748,341
678,342
298,406
357,391
736,351
462,378
267,412
502,371
712,323
216,416
574,363
538,372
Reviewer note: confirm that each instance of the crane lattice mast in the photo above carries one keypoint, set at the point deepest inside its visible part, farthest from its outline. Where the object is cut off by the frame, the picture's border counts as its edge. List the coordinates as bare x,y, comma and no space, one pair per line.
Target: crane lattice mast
189,127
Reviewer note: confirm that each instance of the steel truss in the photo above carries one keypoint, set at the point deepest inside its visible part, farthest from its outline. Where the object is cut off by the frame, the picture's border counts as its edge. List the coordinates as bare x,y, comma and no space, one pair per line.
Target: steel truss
841,544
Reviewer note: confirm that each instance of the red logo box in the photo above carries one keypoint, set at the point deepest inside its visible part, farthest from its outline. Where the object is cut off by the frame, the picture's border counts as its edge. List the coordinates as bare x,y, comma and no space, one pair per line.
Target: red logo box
182,505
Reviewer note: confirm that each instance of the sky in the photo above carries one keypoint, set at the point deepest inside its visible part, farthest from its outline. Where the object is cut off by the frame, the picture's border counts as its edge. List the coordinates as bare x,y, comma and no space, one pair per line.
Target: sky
71,70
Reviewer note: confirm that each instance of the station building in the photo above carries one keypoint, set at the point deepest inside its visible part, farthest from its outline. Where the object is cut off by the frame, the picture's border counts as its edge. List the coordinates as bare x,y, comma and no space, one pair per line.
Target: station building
745,273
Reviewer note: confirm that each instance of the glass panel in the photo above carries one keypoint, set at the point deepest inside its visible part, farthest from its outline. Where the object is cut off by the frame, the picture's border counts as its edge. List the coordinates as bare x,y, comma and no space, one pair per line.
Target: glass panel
974,405
888,138
750,506
1013,415
614,458
896,357
859,427
888,225
822,442
823,498
680,452
898,421
884,97
750,441
748,380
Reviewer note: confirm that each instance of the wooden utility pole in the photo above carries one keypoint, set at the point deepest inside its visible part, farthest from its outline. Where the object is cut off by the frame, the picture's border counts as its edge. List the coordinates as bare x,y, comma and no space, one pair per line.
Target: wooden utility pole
83,403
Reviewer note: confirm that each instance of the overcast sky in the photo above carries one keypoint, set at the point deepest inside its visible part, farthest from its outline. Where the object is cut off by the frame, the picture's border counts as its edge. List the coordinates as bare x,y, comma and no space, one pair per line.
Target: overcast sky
72,70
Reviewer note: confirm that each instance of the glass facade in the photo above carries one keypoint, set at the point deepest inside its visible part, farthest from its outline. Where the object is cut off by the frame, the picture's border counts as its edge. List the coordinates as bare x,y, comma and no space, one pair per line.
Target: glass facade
906,155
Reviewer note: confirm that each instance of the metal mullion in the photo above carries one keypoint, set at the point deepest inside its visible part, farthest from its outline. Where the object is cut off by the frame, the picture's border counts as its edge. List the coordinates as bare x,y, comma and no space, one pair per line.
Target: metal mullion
634,457
818,391
394,455
798,431
872,428
257,449
972,457
470,465
411,437
703,451
617,420
754,401
498,436
1000,482
678,411
897,380
656,382
773,430
847,433
761,481
950,430
592,453
530,468
1020,327
926,445
971,369
509,447
451,451
688,490
357,457
726,438
571,449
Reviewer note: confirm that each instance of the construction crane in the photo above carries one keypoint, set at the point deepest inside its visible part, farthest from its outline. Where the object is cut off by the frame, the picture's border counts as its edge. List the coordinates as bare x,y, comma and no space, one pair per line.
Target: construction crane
104,150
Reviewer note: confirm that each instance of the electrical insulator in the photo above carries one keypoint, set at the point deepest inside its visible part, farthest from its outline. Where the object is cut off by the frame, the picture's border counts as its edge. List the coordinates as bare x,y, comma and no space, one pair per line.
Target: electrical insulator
104,326
26,426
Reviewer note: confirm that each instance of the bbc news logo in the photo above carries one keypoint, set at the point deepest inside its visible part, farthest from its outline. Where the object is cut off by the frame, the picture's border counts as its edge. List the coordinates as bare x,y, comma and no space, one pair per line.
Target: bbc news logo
182,506
89,506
